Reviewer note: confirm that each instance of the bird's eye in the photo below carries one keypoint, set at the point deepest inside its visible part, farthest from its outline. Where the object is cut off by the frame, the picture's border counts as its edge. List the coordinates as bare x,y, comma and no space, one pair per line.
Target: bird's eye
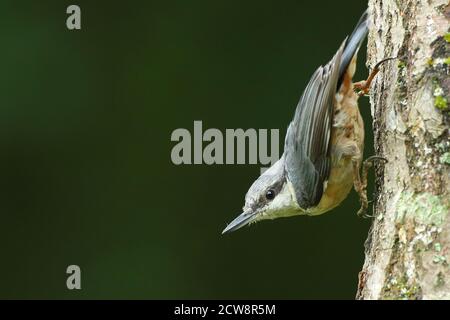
270,194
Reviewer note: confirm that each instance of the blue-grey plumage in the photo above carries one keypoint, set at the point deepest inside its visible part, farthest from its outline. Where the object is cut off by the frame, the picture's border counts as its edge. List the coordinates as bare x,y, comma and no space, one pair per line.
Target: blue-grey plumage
323,147
353,43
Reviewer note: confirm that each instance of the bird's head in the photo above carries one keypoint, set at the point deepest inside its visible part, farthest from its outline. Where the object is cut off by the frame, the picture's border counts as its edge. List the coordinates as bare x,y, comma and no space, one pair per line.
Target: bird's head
271,196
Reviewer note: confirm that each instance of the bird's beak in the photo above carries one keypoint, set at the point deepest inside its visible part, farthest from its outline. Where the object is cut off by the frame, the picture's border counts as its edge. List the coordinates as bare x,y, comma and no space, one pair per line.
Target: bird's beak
242,220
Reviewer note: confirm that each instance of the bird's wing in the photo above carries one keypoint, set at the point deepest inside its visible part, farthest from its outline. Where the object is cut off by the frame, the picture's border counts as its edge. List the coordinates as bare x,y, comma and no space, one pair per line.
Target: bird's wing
307,140
353,43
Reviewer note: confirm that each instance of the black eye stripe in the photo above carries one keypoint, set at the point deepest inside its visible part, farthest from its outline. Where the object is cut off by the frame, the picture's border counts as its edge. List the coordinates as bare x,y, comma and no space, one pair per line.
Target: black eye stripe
276,185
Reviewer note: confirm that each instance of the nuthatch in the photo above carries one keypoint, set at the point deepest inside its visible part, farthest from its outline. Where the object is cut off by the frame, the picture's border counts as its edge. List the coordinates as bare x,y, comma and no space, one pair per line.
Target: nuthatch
323,148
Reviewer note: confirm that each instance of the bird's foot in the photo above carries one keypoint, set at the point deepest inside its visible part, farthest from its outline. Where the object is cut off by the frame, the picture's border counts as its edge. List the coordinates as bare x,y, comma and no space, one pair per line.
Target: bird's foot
360,182
362,88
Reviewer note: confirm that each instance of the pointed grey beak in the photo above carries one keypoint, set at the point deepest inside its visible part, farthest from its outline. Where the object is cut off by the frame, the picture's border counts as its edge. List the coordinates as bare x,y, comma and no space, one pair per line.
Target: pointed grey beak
241,220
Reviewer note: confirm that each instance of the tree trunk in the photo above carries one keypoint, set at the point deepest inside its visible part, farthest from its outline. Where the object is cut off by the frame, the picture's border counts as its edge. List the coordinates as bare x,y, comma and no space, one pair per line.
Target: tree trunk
408,248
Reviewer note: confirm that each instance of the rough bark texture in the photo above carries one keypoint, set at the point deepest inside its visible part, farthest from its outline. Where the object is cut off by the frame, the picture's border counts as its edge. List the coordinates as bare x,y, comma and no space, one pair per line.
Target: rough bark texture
408,248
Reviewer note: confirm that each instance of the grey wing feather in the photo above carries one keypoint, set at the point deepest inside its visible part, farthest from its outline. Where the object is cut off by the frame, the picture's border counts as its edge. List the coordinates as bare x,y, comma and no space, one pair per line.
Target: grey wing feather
353,43
307,161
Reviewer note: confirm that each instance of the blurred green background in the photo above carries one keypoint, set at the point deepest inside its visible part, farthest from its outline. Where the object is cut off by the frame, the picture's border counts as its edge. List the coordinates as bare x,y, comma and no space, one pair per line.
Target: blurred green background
86,176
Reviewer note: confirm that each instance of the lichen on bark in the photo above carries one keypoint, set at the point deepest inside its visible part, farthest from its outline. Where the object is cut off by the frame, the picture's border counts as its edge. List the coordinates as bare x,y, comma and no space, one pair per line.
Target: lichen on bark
408,247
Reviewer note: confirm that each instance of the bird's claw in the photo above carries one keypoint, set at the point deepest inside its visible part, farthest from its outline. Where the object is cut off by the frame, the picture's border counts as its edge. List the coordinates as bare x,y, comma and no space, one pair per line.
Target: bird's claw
372,159
361,184
362,88
362,213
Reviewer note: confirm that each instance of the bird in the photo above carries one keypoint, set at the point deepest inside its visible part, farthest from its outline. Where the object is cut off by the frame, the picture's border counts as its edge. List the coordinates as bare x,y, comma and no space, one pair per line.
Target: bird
324,144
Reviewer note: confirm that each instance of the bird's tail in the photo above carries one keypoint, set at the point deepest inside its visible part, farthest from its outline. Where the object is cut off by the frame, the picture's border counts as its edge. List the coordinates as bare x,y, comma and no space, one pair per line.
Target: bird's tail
353,43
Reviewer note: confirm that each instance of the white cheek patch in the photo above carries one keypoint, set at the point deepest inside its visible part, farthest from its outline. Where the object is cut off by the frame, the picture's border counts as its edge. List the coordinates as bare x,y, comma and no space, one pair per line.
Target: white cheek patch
282,200
284,204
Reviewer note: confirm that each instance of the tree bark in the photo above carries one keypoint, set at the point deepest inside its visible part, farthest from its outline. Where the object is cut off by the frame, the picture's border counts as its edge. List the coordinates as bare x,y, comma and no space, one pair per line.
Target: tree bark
408,248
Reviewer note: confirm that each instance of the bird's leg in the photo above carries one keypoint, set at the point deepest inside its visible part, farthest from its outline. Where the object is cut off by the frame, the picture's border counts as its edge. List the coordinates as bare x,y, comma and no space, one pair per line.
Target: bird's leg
363,87
357,184
360,181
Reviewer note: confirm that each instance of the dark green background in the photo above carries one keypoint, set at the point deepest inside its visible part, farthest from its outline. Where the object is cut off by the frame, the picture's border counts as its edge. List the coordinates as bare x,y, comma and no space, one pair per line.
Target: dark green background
86,176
